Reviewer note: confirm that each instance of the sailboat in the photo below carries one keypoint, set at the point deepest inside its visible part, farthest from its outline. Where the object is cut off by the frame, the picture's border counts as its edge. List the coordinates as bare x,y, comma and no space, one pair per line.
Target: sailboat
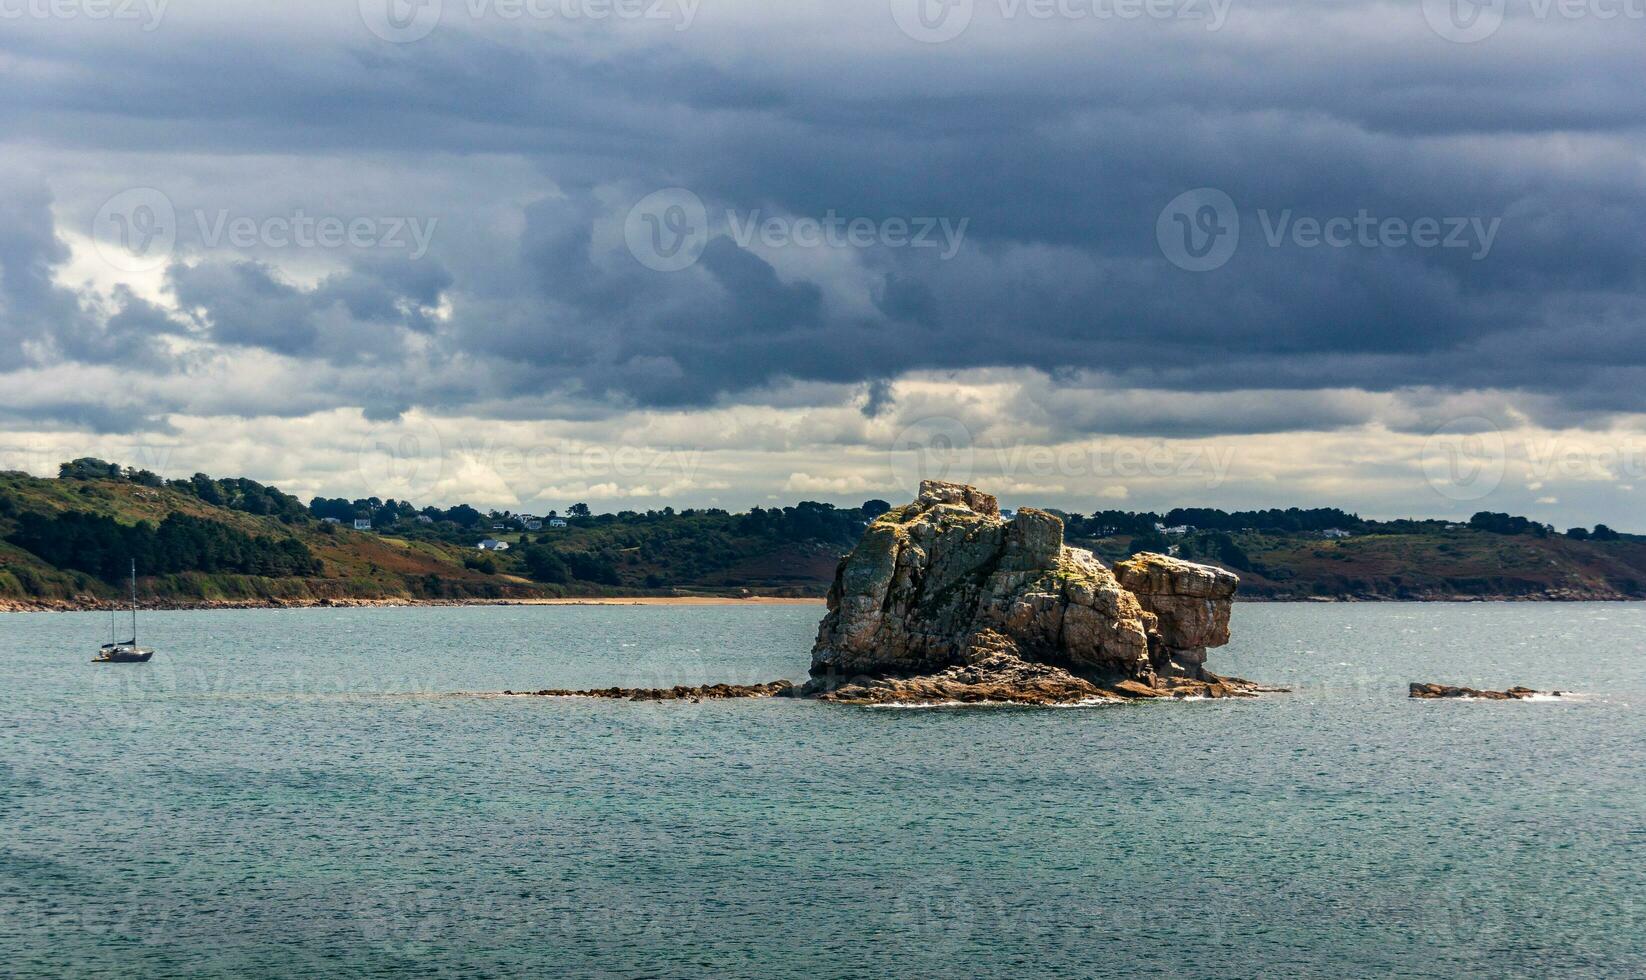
127,652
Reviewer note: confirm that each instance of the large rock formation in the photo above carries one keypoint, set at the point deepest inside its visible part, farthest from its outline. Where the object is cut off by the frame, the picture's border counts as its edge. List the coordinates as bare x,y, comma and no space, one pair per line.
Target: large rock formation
945,600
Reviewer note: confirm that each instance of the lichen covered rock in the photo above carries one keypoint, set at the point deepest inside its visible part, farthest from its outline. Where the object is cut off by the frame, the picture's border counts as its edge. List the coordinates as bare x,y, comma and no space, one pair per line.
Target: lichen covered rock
944,598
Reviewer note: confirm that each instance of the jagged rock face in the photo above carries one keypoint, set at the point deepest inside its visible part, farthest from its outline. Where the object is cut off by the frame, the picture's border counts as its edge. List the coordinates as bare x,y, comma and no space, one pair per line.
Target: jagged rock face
945,583
1190,604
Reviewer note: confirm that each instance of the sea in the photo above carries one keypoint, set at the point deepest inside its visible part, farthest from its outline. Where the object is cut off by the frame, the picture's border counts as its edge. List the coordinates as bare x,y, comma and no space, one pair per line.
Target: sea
342,792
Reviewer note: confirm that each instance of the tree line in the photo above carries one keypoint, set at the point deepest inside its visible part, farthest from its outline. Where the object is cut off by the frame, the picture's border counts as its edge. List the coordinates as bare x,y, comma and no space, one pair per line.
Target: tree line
104,547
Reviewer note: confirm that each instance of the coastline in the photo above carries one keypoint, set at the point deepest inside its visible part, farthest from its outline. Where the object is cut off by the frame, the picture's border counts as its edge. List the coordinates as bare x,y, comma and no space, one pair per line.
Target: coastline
62,606
169,605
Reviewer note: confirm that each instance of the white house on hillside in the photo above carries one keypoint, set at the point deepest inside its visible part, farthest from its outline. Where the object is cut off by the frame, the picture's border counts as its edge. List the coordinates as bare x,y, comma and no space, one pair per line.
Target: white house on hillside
492,544
557,522
534,525
362,524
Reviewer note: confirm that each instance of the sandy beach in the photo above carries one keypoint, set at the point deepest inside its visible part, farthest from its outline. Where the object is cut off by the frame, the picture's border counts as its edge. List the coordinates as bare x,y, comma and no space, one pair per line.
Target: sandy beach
683,600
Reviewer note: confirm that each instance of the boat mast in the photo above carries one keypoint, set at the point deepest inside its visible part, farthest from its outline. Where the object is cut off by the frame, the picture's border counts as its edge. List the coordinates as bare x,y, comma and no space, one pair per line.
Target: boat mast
134,602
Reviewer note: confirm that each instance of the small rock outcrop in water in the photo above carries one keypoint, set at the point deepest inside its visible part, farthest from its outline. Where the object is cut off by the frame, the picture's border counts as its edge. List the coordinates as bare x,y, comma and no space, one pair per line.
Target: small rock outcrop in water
943,600
1437,691
706,692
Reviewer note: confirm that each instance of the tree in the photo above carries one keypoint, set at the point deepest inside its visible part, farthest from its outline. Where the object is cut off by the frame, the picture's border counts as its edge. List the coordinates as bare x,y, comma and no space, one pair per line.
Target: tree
1153,541
578,510
1496,523
1578,533
544,564
593,568
206,489
89,468
104,547
464,516
1604,533
874,508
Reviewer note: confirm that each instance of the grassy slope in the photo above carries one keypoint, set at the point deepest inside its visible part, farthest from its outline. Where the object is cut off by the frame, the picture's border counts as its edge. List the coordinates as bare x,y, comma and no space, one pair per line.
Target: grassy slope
357,565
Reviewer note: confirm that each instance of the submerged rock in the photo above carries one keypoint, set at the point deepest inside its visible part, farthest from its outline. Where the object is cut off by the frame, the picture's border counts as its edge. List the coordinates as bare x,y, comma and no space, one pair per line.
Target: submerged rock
1437,691
706,692
943,600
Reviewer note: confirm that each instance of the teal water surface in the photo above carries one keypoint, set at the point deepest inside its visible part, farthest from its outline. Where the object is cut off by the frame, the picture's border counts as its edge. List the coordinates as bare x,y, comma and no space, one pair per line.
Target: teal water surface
325,793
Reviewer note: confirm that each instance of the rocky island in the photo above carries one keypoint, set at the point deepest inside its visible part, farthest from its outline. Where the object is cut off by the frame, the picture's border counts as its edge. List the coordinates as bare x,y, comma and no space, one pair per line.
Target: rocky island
945,601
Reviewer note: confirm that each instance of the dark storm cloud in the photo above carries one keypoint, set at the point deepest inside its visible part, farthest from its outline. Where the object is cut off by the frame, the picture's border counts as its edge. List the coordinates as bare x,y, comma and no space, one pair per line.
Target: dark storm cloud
1060,156
41,320
31,304
346,317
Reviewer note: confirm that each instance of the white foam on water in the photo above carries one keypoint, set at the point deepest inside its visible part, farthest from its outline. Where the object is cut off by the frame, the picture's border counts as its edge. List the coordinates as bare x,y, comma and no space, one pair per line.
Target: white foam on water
921,705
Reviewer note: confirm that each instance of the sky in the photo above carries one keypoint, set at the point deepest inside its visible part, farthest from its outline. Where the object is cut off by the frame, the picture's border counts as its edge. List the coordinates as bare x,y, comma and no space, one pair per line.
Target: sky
1087,254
